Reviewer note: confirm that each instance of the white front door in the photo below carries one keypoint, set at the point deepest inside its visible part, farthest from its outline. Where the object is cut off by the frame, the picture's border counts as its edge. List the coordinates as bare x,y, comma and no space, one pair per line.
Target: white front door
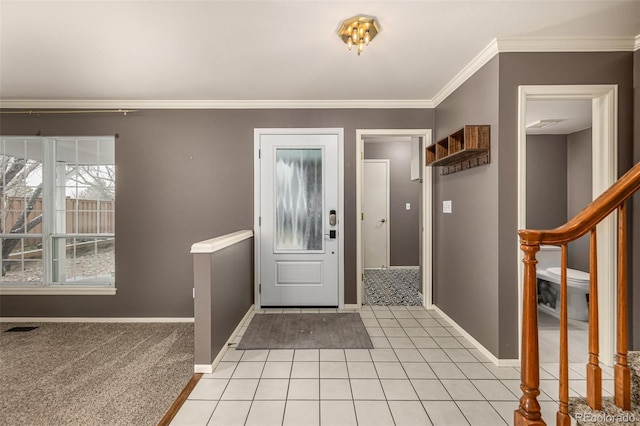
376,213
298,242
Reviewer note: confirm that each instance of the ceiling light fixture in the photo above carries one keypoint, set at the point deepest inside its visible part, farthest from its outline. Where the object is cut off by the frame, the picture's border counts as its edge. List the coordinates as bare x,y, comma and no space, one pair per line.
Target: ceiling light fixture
358,31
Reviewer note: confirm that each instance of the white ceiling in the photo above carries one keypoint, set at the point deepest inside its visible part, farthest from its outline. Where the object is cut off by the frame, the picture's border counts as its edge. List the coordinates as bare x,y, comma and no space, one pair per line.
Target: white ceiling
270,50
574,115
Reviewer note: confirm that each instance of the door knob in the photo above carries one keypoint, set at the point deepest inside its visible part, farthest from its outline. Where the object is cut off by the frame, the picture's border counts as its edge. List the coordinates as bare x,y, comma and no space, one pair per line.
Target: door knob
383,220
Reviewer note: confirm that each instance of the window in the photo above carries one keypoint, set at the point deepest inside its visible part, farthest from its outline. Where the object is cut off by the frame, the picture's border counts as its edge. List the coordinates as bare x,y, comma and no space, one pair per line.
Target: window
57,215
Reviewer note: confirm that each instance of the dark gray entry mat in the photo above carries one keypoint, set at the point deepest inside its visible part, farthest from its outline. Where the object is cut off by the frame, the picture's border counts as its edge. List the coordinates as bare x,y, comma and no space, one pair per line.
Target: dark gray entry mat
306,331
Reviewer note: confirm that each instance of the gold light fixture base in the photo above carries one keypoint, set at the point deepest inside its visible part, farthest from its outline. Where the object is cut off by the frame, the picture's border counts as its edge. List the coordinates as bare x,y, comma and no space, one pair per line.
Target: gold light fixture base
358,31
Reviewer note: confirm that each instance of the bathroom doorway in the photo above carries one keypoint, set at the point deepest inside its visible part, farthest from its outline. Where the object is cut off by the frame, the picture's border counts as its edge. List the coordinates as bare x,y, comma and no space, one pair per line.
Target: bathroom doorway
559,186
602,107
393,251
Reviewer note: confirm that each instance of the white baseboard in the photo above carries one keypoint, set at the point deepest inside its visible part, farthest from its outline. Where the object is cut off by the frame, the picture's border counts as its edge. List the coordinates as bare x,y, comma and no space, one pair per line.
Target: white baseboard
403,267
208,368
498,362
203,368
96,319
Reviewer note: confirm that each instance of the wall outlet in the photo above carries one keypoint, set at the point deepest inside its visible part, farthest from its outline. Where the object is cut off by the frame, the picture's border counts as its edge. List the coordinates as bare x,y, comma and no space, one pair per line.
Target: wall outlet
408,206
446,206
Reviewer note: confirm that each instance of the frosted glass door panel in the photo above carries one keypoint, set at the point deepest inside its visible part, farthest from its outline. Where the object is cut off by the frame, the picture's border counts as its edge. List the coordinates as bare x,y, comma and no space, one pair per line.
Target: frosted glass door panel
298,203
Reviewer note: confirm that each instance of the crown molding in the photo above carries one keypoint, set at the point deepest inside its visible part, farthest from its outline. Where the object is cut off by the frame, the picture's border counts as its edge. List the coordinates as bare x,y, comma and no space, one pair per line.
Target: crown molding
213,104
536,44
470,69
566,44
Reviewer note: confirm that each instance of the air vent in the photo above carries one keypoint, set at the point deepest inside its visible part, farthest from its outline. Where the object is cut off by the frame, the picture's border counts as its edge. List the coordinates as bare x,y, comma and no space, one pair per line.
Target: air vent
20,329
541,124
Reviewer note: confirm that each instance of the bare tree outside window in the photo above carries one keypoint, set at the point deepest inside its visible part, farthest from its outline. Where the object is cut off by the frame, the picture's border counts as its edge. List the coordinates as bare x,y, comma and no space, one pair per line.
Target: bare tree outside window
79,216
18,199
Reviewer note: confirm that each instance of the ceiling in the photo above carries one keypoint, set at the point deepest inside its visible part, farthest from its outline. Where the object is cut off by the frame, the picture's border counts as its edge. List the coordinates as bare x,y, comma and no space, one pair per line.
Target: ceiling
268,50
572,116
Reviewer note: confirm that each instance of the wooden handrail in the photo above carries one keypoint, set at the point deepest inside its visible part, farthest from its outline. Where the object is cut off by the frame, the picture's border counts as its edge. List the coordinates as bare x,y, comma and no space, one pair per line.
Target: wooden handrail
586,221
593,214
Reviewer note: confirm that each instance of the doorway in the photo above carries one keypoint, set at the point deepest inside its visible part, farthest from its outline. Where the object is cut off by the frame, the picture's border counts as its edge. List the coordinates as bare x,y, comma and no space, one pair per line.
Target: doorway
603,99
559,186
419,268
298,198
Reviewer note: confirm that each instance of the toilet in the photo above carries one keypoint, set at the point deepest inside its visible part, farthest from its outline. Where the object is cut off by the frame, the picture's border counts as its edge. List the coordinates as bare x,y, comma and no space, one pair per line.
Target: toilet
548,279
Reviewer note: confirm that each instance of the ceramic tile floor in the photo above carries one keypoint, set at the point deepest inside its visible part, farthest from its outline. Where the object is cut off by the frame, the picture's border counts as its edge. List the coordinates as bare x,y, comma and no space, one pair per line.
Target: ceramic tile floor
420,372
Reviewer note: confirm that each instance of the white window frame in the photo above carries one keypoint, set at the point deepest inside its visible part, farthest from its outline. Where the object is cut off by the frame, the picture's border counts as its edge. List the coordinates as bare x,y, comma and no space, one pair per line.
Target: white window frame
49,286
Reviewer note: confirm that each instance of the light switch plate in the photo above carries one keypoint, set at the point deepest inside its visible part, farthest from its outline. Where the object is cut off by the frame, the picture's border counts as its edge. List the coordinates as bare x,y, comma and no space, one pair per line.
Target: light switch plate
408,206
446,206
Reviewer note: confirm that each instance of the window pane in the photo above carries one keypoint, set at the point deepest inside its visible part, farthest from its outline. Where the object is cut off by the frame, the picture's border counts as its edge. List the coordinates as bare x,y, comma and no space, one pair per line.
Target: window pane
21,185
84,260
22,260
21,191
107,222
86,182
22,221
299,199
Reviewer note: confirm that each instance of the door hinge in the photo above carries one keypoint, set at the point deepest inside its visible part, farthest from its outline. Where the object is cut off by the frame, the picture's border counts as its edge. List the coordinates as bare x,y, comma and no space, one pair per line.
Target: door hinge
361,216
259,220
259,153
362,277
362,155
260,288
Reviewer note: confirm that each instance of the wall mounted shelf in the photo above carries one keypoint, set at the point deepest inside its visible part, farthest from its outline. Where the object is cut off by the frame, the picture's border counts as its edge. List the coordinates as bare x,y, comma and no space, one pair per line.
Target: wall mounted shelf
468,147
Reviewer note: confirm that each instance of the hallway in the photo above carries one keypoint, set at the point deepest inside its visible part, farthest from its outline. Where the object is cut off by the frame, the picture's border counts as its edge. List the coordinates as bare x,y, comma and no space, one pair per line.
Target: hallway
422,371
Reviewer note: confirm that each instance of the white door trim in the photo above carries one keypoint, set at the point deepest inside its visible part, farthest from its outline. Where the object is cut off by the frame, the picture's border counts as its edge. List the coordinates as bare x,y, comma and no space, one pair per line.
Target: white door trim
388,213
605,173
339,132
427,201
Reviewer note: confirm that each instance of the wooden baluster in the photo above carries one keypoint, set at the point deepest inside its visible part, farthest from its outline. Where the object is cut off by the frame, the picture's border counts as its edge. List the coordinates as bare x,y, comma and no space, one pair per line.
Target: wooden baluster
594,373
529,411
562,416
622,374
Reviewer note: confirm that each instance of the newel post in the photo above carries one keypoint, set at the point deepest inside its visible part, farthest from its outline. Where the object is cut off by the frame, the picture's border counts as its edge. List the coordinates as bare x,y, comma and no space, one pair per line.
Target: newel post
529,411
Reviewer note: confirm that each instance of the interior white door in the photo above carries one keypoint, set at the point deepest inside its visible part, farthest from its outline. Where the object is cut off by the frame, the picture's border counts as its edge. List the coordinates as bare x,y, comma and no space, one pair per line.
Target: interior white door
299,250
375,227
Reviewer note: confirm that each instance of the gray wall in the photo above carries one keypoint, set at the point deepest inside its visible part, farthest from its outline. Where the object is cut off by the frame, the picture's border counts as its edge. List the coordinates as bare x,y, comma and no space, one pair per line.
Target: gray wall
475,249
559,174
546,181
185,176
465,256
224,285
546,68
404,229
579,191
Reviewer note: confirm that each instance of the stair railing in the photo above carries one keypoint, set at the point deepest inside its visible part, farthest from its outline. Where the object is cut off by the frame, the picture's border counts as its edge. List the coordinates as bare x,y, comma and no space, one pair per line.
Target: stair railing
614,198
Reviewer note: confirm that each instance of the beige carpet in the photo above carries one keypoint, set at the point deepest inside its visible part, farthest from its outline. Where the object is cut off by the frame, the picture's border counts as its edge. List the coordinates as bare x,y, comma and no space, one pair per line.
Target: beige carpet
92,373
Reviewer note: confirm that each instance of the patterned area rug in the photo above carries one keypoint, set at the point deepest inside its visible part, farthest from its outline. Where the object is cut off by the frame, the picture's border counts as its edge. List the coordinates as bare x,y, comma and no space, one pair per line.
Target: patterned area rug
392,287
